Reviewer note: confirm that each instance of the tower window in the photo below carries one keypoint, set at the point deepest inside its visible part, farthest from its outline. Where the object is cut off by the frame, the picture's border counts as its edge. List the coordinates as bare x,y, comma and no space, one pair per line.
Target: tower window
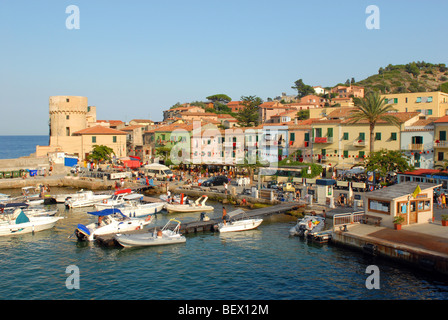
67,131
68,100
67,117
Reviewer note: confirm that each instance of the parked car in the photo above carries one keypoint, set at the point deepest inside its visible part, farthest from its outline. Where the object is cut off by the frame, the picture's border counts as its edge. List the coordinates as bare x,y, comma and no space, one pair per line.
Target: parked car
215,181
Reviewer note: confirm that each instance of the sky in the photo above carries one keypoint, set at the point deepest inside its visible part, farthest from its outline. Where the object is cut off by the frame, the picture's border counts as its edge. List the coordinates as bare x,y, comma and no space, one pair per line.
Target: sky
134,59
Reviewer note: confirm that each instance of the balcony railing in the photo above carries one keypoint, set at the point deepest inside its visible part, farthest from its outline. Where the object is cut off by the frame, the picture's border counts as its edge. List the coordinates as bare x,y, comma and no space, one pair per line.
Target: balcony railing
416,146
359,143
440,144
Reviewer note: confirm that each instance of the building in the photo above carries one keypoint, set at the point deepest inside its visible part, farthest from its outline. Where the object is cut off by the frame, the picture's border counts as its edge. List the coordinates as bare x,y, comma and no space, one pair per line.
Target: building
99,135
400,200
348,91
417,143
338,142
271,108
433,104
320,90
440,141
236,106
176,112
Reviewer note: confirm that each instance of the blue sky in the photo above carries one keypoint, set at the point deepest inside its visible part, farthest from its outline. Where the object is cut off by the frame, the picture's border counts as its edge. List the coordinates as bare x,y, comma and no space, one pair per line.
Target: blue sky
133,59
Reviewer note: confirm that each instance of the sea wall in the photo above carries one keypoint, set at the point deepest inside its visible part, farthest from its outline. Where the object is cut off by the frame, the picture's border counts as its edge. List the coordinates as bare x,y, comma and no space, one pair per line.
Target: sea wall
68,181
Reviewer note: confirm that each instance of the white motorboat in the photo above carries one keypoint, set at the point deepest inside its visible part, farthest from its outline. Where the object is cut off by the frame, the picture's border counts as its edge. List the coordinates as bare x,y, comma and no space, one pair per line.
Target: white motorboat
198,205
177,199
167,235
138,209
9,208
307,225
118,199
231,224
87,199
19,223
61,198
4,197
110,221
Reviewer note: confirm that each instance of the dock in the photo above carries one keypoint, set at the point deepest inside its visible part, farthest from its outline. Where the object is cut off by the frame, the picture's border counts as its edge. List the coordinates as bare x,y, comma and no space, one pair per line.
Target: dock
207,226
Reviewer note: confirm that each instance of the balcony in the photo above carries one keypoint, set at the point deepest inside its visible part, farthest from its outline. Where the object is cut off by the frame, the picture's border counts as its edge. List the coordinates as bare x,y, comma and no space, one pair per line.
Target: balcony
416,147
323,140
359,143
440,144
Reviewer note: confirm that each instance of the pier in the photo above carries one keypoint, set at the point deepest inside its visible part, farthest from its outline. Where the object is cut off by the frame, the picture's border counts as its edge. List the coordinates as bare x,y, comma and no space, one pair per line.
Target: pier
208,226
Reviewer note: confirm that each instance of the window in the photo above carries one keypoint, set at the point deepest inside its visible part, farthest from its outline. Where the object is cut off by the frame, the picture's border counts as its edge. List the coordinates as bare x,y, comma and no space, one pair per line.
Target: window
379,206
429,99
345,136
67,131
419,99
93,139
442,135
417,140
307,136
440,156
292,136
395,100
429,112
318,132
114,139
378,136
323,152
67,117
67,100
88,109
330,132
393,136
362,136
345,153
361,154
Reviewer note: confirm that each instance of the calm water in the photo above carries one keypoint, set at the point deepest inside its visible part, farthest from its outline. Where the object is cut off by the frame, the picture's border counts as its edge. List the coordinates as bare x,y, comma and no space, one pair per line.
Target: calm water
262,264
12,147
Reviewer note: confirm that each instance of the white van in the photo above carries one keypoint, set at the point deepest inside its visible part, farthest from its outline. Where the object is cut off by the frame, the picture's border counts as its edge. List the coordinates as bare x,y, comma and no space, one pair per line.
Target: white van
158,170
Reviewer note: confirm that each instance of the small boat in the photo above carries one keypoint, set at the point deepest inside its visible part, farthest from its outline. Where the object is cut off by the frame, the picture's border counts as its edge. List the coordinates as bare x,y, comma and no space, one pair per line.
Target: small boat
307,225
4,197
167,235
177,199
238,225
117,199
19,222
61,198
138,209
9,208
110,221
87,199
198,205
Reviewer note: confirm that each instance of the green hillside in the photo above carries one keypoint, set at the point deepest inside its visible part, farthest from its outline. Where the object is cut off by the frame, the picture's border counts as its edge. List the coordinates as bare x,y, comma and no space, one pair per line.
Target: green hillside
412,77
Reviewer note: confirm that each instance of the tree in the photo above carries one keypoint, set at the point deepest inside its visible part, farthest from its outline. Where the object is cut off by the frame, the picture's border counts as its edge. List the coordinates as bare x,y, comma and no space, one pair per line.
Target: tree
372,108
413,69
222,98
100,153
385,161
303,114
248,117
302,89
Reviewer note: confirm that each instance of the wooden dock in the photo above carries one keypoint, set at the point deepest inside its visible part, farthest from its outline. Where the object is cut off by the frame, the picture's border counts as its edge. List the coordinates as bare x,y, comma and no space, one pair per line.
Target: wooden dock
210,225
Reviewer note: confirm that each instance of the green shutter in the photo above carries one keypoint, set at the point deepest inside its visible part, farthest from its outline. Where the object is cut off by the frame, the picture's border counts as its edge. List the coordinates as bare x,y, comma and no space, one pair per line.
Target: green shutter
292,136
378,136
345,137
330,132
362,136
345,153
93,139
442,135
393,136
307,136
114,139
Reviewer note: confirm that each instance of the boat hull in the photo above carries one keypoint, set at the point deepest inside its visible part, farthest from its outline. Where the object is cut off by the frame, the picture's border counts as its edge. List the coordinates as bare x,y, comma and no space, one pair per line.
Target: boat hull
35,224
187,208
146,240
240,225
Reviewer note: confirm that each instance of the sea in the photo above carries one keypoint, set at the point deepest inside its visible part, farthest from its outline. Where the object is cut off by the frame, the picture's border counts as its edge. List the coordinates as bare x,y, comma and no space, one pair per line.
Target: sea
263,265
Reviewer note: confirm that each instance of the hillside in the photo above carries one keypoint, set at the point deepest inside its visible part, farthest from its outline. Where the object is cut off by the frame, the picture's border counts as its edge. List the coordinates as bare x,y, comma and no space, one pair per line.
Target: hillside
412,77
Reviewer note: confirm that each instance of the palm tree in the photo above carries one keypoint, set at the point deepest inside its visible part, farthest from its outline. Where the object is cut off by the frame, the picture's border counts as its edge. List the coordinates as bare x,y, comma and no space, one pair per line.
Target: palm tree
372,108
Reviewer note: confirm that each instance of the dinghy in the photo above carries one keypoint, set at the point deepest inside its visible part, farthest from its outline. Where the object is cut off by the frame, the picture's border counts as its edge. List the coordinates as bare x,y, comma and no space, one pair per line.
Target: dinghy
233,224
117,199
110,221
86,199
307,225
198,205
19,223
167,235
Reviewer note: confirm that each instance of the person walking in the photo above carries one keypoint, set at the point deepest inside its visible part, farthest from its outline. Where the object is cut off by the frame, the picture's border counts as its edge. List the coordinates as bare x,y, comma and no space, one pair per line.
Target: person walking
224,215
443,201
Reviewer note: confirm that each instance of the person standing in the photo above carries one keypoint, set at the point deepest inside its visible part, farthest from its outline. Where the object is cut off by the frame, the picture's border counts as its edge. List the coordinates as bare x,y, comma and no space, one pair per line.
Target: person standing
225,188
443,201
224,215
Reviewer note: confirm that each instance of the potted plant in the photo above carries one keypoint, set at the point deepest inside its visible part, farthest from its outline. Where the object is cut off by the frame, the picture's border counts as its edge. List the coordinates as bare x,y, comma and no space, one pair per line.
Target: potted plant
444,220
398,220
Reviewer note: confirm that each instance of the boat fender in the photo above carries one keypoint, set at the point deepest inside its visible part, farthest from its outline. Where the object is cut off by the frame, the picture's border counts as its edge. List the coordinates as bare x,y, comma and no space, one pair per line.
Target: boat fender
104,201
148,218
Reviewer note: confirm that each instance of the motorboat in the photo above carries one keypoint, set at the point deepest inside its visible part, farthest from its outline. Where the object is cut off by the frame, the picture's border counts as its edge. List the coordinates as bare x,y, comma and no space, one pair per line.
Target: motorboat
231,223
117,199
110,221
4,197
19,223
177,199
139,209
30,211
308,225
61,198
198,205
87,199
167,235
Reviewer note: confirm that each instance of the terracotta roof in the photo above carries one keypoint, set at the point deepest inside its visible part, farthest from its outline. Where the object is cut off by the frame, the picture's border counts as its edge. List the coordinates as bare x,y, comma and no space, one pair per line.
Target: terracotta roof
112,122
99,130
402,117
442,119
142,120
129,128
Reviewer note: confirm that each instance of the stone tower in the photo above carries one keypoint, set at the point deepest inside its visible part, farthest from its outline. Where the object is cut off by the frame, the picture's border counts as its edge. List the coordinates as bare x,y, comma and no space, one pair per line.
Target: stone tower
67,115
